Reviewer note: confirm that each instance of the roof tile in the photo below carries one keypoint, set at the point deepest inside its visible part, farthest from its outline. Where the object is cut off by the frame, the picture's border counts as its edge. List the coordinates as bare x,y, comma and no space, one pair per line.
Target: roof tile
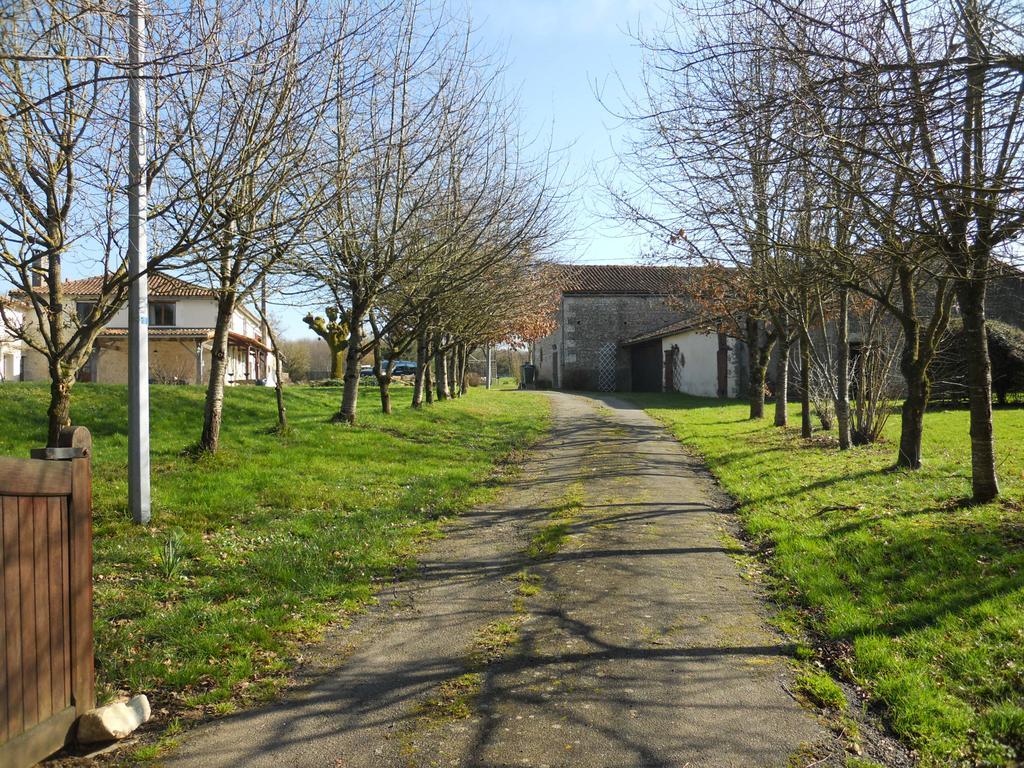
159,285
622,278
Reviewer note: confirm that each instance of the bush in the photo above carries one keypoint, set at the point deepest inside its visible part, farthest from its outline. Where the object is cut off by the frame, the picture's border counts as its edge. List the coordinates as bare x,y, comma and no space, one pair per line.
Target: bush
1005,349
473,379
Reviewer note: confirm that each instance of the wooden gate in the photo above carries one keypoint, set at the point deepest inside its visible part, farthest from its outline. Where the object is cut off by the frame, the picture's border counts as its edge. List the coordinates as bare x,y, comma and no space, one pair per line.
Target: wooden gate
46,642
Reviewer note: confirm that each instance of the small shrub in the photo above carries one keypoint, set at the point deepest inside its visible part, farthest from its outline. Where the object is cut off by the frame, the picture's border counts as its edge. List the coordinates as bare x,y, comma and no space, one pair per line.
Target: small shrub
1006,353
473,379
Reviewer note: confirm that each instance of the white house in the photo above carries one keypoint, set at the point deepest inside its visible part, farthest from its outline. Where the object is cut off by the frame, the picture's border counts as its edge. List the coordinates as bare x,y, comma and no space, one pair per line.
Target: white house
694,361
12,316
182,317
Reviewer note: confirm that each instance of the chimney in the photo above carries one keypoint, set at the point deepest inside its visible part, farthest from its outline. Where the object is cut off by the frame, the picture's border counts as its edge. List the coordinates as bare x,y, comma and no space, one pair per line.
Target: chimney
37,272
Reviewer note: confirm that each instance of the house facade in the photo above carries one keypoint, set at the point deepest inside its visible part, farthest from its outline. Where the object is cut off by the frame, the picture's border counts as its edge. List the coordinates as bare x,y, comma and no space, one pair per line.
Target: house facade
182,318
628,328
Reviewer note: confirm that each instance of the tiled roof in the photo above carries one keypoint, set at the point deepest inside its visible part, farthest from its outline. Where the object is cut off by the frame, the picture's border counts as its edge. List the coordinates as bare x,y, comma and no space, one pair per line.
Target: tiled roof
185,333
680,326
621,278
163,333
159,285
241,338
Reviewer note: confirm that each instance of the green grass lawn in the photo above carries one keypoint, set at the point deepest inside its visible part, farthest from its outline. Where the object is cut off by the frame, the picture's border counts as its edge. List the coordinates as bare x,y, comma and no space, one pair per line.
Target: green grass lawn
924,592
264,544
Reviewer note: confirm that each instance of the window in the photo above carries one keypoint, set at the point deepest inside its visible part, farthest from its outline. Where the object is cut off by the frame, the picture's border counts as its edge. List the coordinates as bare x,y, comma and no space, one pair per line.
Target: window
161,313
82,309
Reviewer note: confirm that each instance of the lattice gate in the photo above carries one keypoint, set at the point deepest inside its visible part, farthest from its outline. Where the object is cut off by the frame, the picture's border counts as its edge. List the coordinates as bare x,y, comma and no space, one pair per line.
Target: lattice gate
606,368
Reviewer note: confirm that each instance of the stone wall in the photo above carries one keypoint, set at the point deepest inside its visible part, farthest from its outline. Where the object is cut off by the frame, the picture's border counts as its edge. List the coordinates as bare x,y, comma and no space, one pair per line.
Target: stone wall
589,335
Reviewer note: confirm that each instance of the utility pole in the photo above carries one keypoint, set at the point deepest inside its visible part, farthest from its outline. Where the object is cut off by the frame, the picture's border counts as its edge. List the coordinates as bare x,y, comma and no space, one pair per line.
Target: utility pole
488,357
138,292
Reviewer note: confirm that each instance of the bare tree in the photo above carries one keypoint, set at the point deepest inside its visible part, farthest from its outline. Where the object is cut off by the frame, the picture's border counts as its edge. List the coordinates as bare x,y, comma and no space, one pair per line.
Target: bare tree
432,191
63,138
246,158
708,178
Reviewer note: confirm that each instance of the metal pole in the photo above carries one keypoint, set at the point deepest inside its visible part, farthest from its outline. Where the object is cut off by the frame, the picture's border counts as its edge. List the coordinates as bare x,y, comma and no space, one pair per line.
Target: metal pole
488,366
138,292
264,330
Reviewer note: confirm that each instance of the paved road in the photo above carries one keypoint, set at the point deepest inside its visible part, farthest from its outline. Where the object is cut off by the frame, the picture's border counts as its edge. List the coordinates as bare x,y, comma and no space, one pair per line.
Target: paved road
639,643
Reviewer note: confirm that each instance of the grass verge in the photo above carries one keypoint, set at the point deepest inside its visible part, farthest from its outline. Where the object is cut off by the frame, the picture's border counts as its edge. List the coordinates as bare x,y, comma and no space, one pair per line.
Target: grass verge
919,595
260,546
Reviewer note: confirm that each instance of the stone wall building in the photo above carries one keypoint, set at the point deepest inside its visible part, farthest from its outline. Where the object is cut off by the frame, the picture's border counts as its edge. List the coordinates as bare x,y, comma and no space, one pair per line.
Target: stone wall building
628,328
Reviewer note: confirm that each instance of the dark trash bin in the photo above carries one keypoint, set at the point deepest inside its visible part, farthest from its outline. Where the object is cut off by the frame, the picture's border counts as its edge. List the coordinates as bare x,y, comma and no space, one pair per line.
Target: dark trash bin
528,376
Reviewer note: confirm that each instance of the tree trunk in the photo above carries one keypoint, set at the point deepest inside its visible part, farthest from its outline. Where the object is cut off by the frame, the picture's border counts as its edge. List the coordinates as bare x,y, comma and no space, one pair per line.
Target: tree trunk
782,383
806,425
441,371
59,412
463,370
421,364
759,355
383,375
843,369
350,390
971,298
282,414
336,362
451,372
384,382
912,427
213,414
428,382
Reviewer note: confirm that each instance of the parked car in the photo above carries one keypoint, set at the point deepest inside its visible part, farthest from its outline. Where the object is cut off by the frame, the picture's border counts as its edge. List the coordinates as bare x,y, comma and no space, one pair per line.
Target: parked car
402,368
405,368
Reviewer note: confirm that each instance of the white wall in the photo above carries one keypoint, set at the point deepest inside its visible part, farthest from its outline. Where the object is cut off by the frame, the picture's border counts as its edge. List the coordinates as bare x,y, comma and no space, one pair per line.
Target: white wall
188,313
11,349
200,313
10,361
696,367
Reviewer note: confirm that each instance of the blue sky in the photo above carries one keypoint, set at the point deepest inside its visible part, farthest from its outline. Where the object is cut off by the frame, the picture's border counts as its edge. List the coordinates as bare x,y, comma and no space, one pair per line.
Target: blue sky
559,53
